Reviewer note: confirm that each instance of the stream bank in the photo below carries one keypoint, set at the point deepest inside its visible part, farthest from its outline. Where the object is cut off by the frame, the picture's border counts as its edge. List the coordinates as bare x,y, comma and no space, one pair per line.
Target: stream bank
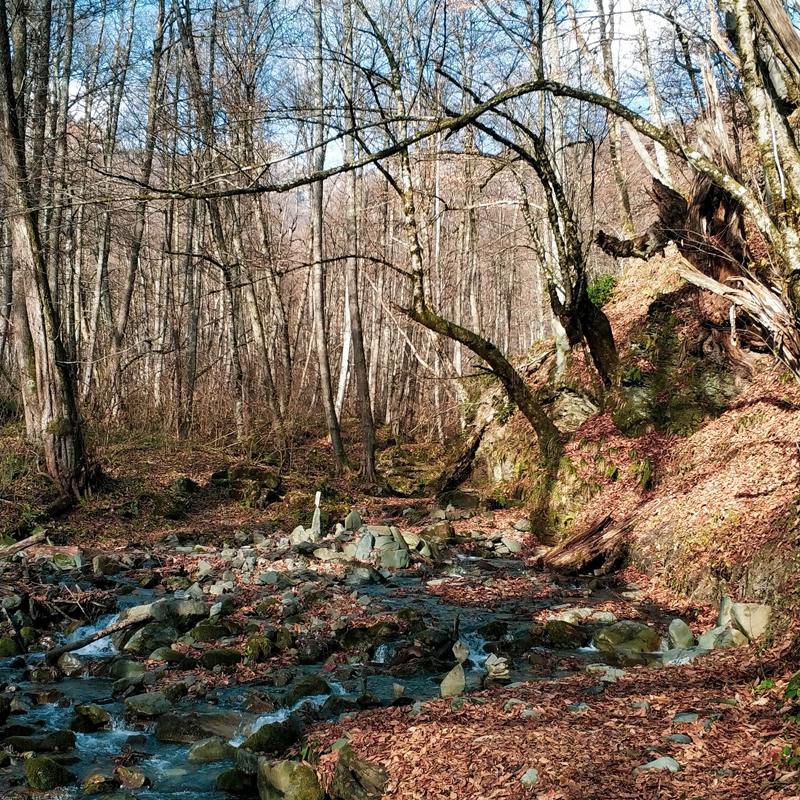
252,646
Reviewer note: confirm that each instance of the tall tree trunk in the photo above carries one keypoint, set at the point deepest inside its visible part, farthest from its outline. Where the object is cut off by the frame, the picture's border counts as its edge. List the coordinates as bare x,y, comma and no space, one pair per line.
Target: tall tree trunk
318,163
51,408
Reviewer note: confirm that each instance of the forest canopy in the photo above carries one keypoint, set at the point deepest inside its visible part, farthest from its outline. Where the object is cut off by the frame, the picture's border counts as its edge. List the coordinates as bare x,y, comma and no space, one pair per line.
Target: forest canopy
229,219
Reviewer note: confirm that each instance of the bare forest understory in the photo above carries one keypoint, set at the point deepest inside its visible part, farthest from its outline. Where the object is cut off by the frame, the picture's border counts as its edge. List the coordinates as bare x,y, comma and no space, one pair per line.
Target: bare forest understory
456,645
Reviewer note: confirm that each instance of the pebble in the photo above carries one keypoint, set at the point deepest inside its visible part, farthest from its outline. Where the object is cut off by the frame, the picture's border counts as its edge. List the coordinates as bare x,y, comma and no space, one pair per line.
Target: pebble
530,778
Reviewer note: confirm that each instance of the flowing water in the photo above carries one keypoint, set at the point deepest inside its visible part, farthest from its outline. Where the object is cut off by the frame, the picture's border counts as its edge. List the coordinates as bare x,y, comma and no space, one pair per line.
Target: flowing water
172,776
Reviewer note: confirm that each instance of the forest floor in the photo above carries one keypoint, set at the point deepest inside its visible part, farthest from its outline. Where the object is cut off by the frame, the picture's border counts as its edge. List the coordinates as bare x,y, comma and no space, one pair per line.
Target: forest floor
741,744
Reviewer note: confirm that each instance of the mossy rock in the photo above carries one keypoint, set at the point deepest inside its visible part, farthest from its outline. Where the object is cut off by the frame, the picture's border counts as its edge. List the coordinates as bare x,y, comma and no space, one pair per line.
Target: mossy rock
44,774
8,647
175,691
273,738
310,686
214,630
258,649
268,608
287,780
235,781
408,614
627,636
98,783
283,640
220,658
90,718
565,636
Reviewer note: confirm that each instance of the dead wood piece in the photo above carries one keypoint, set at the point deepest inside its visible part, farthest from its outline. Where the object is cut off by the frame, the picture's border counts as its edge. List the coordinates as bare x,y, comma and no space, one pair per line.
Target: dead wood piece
6,552
53,655
595,541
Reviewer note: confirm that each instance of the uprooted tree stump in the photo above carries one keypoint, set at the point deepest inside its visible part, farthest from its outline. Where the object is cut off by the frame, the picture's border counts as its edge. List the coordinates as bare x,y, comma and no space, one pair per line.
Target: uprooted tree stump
599,539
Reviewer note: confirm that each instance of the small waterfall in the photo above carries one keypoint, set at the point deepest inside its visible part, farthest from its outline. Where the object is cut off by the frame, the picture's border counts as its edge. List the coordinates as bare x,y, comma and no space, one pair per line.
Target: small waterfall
102,647
476,652
382,654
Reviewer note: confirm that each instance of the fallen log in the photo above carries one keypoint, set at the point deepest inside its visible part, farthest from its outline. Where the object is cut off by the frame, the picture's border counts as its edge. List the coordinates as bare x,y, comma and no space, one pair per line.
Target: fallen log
52,656
597,540
7,552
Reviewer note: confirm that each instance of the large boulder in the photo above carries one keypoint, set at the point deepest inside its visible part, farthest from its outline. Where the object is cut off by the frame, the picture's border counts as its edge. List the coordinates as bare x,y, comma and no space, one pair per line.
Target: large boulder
287,780
175,728
151,637
90,718
209,751
310,686
273,738
183,614
565,636
752,619
354,779
150,704
628,635
680,634
44,774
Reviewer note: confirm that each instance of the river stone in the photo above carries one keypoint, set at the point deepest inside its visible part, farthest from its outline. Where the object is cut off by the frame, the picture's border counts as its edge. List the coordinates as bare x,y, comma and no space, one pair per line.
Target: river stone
354,779
565,636
663,763
628,635
364,546
360,575
151,637
71,665
512,545
680,634
140,613
43,773
8,647
213,630
106,565
123,668
235,781
441,532
209,751
150,704
453,683
273,738
460,651
394,559
751,619
724,615
220,657
287,780
132,778
683,655
166,655
98,783
310,686
300,534
90,718
187,728
183,614
721,639
352,521
685,717
530,778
